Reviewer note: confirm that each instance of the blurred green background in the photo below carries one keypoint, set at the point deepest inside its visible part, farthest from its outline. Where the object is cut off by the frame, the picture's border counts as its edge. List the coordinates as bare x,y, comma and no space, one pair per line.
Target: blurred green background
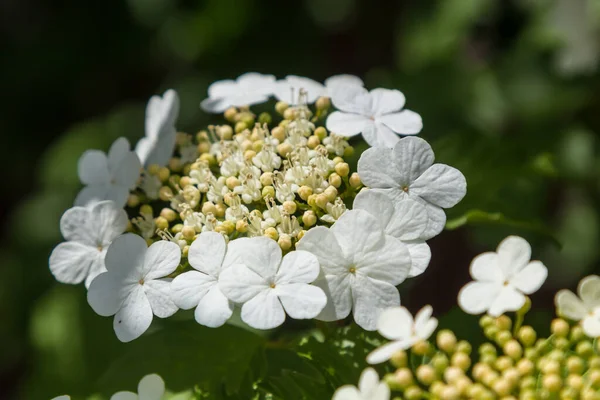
509,92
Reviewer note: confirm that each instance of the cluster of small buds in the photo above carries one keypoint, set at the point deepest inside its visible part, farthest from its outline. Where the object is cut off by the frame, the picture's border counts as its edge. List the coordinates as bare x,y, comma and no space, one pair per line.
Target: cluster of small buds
246,179
513,365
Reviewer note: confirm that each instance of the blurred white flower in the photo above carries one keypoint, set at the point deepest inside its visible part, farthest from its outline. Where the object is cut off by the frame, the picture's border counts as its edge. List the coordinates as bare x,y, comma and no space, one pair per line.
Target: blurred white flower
88,231
151,387
270,286
585,308
361,267
108,177
248,89
502,279
369,388
405,220
158,144
134,288
408,170
397,325
377,114
200,288
288,89
62,397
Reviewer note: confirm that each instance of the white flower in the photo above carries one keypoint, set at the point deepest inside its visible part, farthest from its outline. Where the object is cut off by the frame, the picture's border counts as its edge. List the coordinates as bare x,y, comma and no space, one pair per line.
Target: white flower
132,289
408,170
397,325
270,286
376,114
502,279
361,267
585,308
200,288
289,88
248,89
62,397
405,219
369,388
158,144
108,177
151,387
88,231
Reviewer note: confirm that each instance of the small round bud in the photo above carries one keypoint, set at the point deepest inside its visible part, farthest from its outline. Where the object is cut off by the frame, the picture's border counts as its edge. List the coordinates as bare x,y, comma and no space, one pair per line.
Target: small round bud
168,214
208,207
249,155
503,363
502,387
421,348
323,103
265,118
335,180
165,193
479,370
403,377
461,360
440,362
593,378
511,375
284,149
450,393
309,218
513,349
489,359
413,393
163,174
355,180
559,327
337,160
502,337
452,374
525,367
290,114
246,144
331,193
230,114
486,321
550,367
552,382
184,181
528,382
348,151
343,169
575,365
133,200
300,234
426,374
153,169
266,179
527,335
577,334
240,126
575,381
268,191
203,147
304,192
399,359
225,132
446,340
176,228
312,142
281,106
272,233
321,133
228,227
584,349
220,210
289,207
257,145
188,233
490,332
285,242
321,201
161,223
208,158
312,200
503,323
464,347
278,133
487,348
594,361
241,225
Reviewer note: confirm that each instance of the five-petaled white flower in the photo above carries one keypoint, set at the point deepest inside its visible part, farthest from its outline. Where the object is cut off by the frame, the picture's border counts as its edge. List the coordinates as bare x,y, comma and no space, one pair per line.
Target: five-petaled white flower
248,89
361,267
156,147
134,286
405,220
397,324
151,387
502,279
289,88
268,284
369,388
200,288
377,114
585,308
88,231
108,177
408,170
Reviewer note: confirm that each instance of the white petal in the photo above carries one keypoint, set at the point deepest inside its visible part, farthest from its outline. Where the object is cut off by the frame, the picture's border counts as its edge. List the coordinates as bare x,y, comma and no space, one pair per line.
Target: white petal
90,195
436,220
134,317
107,220
264,311
313,89
160,150
342,80
76,225
161,112
508,299
570,306
368,381
96,268
376,170
339,297
92,168
477,297
158,292
389,261
378,135
256,83
151,387
223,88
382,392
530,278
162,259
118,150
124,395
298,267
424,323
385,101
420,255
106,294
441,185
412,157
207,252
214,309
405,122
409,220
351,99
370,298
190,287
261,254
321,242
301,301
357,231
395,323
346,124
70,262
514,254
385,352
126,171
125,256
589,290
485,268
346,392
591,326
377,204
239,283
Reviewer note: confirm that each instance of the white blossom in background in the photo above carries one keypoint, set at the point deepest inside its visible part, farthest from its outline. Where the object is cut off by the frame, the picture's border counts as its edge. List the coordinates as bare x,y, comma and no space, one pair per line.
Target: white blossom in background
200,288
408,170
377,115
248,89
502,279
156,147
369,388
270,286
405,220
108,177
361,267
585,308
288,89
62,397
134,287
151,387
397,324
88,231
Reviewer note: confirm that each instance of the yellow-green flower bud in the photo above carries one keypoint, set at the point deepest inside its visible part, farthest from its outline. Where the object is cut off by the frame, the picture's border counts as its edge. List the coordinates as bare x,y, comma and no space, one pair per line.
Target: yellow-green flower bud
525,367
399,359
220,210
278,133
161,223
335,180
241,225
354,180
290,114
440,362
503,323
426,374
464,347
503,363
203,147
321,201
403,377
502,387
461,360
266,179
285,242
446,340
312,142
188,233
502,337
163,174
584,349
284,149
133,200
289,207
208,207
268,191
331,193
452,374
348,151
281,106
208,158
323,103
575,381
272,233
176,228
528,382
304,192
559,327
265,118
513,349
421,348
240,126
321,133
413,393
450,393
486,321
249,155
552,382
309,218
168,214
487,348
165,193
342,169
230,114
527,335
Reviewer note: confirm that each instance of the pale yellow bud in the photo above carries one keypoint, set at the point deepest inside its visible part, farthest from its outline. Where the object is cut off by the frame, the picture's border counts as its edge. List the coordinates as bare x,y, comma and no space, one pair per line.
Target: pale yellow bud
184,181
168,214
249,155
312,200
165,193
240,126
230,114
446,340
552,382
177,228
413,393
185,251
337,160
266,179
421,348
309,218
426,374
321,133
313,141
403,377
461,360
584,349
285,242
342,169
225,132
163,174
284,149
268,191
257,145
551,367
399,359
348,151
133,200
513,349
175,164
503,363
335,180
354,180
450,393
161,223
153,169
241,225
272,233
331,193
502,387
511,375
289,114
527,335
232,182
575,381
321,201
208,207
278,133
451,374
281,106
220,210
228,227
304,192
289,207
300,234
525,366
208,158
559,327
502,337
188,233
